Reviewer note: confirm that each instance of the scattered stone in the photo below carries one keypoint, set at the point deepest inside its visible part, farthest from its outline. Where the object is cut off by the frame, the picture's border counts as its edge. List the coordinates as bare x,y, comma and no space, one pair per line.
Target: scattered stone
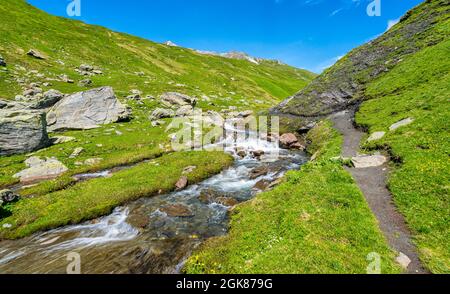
315,155
93,161
401,123
76,152
41,169
138,220
185,111
36,54
8,196
403,260
173,99
157,123
87,110
262,185
259,172
182,183
368,161
245,114
275,183
177,210
2,61
61,139
22,131
298,146
286,140
85,83
376,136
7,226
189,169
160,113
86,67
50,98
66,79
32,91
305,216
258,153
226,201
119,133
242,153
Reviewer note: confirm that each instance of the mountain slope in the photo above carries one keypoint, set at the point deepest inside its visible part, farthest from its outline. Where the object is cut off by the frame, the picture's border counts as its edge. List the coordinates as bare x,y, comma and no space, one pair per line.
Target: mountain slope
403,74
344,83
129,63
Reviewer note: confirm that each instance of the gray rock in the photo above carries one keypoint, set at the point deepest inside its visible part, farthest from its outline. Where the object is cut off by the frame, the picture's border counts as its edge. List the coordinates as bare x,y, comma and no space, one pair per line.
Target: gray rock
33,91
245,114
376,136
22,131
157,123
76,152
174,99
36,54
177,210
86,67
401,123
50,98
87,110
403,260
185,110
93,161
61,139
368,161
286,140
182,183
85,82
3,104
160,113
41,169
7,196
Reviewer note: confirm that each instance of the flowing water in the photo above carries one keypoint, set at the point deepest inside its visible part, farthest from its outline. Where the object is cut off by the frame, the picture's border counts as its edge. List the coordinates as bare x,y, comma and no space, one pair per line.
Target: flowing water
140,237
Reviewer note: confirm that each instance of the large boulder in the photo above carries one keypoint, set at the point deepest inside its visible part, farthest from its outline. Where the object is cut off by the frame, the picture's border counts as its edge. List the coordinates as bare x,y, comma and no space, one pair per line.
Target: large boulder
286,140
22,131
48,99
173,99
36,54
87,110
160,113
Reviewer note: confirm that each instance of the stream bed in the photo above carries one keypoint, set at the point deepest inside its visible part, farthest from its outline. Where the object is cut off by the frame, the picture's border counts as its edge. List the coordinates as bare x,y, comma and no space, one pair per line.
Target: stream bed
144,237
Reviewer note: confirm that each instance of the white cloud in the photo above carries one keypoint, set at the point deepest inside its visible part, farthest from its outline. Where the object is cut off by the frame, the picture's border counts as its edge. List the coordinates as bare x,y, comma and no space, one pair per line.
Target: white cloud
391,23
336,12
328,63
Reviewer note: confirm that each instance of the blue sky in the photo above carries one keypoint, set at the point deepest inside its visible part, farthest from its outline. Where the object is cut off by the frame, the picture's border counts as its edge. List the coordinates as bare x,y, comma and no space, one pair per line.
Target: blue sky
309,34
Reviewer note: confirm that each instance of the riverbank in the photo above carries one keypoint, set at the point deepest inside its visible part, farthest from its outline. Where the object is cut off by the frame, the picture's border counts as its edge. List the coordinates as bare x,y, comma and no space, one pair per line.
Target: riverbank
98,197
317,221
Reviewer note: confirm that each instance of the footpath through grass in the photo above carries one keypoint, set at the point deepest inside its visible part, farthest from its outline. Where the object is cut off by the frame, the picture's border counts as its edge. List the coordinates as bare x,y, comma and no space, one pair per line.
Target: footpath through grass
419,88
97,197
317,221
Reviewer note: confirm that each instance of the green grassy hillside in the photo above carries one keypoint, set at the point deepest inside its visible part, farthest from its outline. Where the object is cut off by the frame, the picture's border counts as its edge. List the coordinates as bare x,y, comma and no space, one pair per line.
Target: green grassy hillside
317,221
344,83
419,88
131,63
127,63
414,83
